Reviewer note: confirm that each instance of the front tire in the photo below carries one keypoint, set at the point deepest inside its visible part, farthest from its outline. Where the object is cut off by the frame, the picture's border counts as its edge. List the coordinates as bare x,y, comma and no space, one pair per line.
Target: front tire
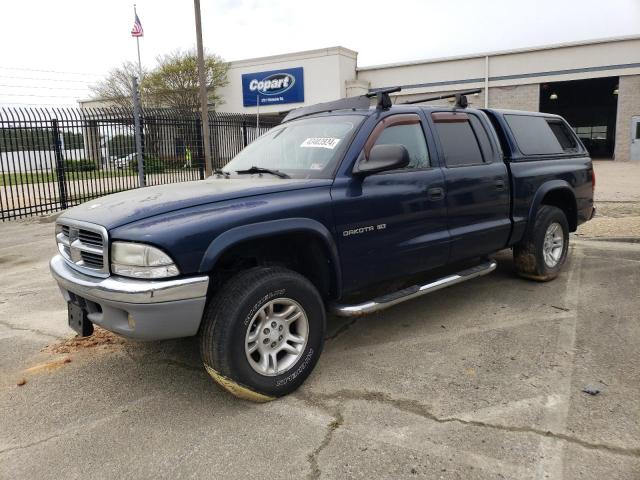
263,332
542,253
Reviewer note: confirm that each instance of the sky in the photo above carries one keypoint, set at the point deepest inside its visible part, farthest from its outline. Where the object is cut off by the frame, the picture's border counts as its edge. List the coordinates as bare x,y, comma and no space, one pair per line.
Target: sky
53,50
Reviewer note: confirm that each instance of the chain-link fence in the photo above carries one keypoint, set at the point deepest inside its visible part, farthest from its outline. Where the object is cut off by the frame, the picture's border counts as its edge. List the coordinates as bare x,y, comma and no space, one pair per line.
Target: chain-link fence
51,159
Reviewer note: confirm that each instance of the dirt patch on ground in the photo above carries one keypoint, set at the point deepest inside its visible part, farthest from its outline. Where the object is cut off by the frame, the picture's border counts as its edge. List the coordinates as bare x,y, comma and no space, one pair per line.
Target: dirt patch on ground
101,338
613,220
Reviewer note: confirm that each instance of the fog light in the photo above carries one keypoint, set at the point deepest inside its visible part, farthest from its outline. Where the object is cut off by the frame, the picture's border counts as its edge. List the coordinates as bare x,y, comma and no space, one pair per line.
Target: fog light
132,322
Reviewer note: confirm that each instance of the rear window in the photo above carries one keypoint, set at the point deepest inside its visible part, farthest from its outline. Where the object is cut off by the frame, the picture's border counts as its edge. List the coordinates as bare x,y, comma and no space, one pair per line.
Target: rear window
541,136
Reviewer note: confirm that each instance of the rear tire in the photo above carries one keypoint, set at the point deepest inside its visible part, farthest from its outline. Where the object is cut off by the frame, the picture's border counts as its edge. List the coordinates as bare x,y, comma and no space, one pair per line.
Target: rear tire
542,253
262,333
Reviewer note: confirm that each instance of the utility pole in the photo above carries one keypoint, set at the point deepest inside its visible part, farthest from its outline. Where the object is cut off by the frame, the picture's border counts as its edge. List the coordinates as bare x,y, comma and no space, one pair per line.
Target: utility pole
202,79
137,112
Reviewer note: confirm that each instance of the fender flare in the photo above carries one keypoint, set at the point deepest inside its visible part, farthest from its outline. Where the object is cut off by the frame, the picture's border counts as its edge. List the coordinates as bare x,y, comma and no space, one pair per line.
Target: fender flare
543,190
254,231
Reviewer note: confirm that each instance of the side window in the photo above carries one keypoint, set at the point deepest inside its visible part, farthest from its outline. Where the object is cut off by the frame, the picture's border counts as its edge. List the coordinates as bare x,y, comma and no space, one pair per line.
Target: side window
458,139
403,130
537,135
483,138
563,135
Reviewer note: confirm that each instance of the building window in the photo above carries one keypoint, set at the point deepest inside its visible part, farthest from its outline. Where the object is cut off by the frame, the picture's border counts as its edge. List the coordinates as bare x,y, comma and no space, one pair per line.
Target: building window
592,133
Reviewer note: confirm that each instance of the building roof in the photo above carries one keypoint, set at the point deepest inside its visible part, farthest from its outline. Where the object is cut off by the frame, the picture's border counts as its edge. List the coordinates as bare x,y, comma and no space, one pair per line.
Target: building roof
502,52
338,50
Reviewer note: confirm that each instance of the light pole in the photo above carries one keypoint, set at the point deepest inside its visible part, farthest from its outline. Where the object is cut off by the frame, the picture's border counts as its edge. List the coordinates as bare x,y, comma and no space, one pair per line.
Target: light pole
202,78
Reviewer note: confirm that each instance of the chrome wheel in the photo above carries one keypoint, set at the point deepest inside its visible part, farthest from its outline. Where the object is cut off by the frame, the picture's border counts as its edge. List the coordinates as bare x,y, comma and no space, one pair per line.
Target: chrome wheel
553,244
276,337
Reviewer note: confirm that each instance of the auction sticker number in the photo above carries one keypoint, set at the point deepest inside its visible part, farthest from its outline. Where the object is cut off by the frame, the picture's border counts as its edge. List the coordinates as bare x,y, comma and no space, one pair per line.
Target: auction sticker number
320,142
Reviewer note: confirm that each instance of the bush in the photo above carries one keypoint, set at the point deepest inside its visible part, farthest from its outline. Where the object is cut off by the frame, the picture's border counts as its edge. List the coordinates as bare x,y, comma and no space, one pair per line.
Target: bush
82,165
152,164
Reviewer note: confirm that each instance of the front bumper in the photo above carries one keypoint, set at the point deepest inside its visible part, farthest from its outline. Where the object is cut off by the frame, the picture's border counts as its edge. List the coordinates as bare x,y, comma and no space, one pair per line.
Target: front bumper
141,309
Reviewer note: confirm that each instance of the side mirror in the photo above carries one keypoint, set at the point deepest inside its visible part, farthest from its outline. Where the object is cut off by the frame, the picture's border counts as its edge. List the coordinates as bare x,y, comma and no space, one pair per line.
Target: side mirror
383,158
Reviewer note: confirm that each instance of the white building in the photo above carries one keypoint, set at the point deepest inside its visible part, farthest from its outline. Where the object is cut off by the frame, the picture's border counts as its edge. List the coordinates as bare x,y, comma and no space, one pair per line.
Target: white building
594,85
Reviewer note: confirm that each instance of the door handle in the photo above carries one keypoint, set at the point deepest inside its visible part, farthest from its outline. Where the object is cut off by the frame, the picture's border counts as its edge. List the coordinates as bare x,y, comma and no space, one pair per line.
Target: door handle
435,194
499,184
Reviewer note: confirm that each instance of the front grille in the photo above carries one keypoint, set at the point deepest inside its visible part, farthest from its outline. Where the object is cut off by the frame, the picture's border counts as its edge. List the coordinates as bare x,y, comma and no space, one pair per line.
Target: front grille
84,246
90,238
92,260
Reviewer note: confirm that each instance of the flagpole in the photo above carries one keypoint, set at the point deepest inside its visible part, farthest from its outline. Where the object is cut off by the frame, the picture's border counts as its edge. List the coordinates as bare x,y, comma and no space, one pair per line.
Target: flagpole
138,45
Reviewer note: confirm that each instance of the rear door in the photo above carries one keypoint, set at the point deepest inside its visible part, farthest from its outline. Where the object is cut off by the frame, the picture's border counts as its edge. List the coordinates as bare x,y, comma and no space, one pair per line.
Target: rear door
393,223
477,185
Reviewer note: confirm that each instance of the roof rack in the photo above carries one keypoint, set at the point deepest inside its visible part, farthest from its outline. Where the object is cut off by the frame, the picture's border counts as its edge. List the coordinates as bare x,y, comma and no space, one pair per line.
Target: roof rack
383,102
461,98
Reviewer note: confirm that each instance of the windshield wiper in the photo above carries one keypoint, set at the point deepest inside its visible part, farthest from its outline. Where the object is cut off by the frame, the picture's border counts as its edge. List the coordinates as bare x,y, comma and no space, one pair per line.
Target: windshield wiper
219,171
251,170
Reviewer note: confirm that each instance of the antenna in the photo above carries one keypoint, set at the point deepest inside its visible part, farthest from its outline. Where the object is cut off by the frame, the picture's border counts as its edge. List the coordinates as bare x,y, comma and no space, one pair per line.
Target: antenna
461,98
383,101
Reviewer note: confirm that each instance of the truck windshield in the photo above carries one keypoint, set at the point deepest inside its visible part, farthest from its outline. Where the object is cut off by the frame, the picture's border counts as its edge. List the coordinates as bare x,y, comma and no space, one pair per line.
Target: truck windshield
305,148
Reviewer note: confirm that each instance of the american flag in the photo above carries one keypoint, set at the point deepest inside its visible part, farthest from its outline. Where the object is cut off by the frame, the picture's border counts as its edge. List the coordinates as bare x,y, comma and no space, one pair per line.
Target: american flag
136,31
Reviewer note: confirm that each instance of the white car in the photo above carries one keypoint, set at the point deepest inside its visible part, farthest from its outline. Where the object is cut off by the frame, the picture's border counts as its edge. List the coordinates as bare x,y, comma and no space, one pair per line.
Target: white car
123,162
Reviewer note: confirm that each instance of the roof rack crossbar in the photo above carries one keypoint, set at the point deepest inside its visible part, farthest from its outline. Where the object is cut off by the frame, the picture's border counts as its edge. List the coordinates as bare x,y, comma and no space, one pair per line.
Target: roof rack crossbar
461,98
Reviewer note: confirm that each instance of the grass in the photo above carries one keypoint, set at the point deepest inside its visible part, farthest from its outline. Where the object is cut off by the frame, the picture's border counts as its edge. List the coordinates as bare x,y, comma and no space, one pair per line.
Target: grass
7,179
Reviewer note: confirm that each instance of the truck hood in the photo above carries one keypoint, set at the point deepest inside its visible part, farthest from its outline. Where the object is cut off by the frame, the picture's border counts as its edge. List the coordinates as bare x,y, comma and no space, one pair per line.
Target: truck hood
132,205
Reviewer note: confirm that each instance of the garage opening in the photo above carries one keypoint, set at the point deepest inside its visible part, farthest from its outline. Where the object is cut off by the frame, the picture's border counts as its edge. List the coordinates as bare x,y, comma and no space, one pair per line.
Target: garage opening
590,107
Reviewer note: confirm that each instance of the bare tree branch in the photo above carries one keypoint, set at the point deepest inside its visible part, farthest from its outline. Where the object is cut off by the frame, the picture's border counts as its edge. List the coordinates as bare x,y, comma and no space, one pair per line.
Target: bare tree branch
173,83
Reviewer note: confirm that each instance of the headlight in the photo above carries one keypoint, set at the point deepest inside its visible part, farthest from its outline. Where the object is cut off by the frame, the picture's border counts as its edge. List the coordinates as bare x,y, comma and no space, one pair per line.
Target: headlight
141,261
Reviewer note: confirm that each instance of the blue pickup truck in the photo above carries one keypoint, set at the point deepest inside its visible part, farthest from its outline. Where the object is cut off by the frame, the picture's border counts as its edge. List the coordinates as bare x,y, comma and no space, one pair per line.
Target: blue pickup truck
344,207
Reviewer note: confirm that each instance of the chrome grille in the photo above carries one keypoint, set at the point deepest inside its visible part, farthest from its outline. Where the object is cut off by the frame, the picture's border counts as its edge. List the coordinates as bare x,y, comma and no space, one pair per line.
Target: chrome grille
84,246
90,238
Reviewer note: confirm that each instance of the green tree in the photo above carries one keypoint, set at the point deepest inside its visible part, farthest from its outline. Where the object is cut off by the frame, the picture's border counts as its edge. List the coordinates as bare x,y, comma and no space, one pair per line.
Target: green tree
174,82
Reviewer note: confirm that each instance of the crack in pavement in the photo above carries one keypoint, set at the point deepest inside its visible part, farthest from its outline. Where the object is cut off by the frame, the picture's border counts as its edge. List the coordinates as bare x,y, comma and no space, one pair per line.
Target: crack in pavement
332,426
343,328
33,330
313,456
81,426
32,444
416,408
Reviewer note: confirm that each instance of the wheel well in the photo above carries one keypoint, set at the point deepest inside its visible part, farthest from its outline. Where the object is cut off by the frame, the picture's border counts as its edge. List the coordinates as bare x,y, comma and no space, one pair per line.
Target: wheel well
302,252
565,201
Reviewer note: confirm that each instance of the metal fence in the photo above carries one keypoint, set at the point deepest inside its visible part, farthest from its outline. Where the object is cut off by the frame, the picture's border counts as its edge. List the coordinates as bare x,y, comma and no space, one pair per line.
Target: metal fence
51,159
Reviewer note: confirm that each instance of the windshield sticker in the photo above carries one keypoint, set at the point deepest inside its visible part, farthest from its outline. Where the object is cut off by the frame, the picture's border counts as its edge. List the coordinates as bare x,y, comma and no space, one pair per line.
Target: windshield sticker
320,142
316,166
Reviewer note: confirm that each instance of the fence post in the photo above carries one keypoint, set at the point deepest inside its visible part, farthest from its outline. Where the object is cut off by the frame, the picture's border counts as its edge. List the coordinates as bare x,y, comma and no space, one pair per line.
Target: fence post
60,174
138,131
199,148
244,133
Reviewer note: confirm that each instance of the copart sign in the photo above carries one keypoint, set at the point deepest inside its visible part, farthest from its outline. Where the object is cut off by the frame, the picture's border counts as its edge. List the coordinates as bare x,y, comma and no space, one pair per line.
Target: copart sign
273,87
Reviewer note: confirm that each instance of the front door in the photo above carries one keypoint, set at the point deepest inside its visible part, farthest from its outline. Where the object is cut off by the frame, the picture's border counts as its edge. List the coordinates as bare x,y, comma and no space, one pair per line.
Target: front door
392,224
635,138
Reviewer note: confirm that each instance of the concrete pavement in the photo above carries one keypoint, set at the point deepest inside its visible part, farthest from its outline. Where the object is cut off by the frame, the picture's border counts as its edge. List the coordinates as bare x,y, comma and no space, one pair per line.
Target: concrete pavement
482,380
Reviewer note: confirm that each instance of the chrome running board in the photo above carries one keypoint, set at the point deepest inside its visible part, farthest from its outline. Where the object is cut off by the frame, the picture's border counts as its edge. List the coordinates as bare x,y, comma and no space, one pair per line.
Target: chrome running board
409,293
